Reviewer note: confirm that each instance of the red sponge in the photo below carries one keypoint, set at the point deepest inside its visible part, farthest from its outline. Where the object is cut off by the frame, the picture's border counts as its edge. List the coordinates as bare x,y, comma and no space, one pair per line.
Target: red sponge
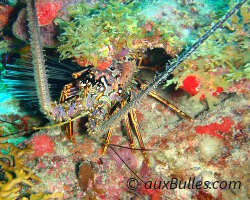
191,84
47,11
42,144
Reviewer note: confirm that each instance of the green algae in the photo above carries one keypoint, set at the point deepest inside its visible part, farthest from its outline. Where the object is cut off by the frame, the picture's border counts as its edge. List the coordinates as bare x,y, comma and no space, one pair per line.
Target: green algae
101,31
93,28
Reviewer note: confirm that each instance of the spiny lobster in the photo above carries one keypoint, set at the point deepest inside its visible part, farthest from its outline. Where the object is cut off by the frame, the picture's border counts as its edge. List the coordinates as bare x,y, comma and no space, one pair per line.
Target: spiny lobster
94,93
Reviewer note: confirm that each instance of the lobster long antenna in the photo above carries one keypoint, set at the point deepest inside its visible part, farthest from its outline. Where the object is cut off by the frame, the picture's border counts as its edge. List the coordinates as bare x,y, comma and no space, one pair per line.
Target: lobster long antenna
127,165
168,70
42,86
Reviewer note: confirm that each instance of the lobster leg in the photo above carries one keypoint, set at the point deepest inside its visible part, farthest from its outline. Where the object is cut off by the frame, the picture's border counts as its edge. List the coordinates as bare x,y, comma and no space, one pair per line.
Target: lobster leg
173,107
68,127
66,130
60,123
165,102
78,74
107,142
108,137
85,91
126,121
132,117
130,137
139,62
71,136
154,69
65,92
69,131
139,66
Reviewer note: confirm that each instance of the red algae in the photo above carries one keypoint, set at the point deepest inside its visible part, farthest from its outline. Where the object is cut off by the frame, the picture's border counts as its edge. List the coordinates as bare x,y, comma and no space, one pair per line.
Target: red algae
101,65
214,129
81,62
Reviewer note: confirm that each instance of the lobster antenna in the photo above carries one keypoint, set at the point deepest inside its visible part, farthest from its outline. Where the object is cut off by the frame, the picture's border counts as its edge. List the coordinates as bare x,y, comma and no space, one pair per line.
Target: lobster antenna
168,70
127,165
41,80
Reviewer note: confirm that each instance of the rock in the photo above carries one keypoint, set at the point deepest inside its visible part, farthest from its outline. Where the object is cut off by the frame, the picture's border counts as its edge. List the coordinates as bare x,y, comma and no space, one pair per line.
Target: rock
48,32
85,175
20,26
49,35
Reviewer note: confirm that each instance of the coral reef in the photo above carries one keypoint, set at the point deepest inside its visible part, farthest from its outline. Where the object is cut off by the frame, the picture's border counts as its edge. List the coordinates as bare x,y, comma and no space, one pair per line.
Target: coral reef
178,150
212,87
